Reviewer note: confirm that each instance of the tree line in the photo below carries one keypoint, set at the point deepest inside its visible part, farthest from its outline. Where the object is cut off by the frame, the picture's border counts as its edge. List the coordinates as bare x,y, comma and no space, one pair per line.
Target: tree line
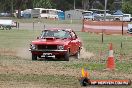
11,5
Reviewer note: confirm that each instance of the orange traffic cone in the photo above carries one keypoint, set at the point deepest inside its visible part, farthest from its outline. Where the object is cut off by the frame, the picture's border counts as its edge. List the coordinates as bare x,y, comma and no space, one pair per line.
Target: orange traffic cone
110,60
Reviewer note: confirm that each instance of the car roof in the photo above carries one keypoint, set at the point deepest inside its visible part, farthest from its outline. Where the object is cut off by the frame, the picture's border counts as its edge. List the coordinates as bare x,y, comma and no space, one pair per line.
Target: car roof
58,29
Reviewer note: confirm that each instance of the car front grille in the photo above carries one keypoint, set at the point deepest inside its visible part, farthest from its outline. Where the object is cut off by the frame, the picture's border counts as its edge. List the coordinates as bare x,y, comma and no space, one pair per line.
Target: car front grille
49,47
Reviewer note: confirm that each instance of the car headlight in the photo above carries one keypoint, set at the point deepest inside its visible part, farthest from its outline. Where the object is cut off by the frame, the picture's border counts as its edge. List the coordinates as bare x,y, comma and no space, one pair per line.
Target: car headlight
32,46
60,47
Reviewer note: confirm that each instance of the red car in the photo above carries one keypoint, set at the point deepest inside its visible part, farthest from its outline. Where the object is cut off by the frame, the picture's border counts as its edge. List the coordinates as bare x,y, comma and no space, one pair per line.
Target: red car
56,43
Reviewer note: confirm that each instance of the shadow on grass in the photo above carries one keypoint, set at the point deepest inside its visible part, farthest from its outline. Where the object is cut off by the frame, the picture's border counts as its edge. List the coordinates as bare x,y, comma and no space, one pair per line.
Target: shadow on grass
55,59
50,59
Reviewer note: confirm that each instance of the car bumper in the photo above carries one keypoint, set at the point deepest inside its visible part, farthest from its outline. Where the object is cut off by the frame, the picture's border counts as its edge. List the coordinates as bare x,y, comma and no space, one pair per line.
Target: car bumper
34,50
48,53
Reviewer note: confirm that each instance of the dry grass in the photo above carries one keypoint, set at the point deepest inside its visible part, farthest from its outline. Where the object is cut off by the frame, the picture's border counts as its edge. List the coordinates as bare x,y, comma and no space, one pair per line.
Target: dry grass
18,70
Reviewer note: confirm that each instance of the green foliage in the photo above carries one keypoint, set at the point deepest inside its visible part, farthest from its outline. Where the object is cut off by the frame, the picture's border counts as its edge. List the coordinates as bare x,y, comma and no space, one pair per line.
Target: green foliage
127,7
8,5
4,5
63,4
110,5
42,3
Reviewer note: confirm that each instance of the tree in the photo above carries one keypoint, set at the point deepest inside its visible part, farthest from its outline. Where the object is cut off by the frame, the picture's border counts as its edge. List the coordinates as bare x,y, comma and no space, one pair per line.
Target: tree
42,3
87,4
63,4
19,4
127,7
5,5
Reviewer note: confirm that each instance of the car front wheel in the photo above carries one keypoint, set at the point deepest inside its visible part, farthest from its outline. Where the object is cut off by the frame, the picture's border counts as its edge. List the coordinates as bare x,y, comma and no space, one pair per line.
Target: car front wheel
66,56
34,57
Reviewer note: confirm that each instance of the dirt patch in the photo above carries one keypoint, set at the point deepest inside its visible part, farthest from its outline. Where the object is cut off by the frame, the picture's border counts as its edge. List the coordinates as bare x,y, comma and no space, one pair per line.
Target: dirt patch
20,52
13,84
110,75
38,68
48,69
4,51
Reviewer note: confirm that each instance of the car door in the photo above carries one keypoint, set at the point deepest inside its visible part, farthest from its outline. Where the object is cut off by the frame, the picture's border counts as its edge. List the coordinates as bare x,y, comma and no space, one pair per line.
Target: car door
74,45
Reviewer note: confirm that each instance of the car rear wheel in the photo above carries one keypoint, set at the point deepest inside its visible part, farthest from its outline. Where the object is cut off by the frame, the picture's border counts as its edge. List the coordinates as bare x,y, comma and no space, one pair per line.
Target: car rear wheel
34,57
66,56
77,55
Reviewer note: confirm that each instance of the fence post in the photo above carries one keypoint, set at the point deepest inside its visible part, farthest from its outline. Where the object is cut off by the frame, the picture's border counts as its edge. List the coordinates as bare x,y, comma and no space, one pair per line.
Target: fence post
122,28
121,52
102,35
33,25
18,25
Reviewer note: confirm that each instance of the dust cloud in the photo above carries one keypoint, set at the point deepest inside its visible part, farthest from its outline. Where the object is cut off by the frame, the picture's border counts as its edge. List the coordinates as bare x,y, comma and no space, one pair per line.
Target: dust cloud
23,52
85,54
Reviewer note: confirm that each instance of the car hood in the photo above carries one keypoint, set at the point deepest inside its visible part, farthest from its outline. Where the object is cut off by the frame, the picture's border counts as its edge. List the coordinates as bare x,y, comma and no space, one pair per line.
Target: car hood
51,41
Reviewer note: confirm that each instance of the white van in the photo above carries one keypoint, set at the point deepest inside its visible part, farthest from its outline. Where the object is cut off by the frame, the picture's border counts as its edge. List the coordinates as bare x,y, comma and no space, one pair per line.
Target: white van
48,13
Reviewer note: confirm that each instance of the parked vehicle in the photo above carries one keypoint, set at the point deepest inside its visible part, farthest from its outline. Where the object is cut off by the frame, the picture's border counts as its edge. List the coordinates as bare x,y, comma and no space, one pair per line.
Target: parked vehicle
31,13
130,28
56,43
47,13
124,17
5,14
88,15
7,24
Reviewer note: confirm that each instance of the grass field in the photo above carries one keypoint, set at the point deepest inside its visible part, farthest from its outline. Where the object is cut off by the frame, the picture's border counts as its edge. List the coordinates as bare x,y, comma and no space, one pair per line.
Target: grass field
17,70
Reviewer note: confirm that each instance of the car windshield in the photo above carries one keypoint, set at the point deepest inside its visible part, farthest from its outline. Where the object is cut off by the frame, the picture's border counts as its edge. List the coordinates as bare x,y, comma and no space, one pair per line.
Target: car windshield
55,33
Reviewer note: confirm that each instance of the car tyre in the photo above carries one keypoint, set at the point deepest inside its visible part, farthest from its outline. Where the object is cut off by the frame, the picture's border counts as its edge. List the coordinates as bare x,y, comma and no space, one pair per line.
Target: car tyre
66,56
34,57
58,57
77,55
